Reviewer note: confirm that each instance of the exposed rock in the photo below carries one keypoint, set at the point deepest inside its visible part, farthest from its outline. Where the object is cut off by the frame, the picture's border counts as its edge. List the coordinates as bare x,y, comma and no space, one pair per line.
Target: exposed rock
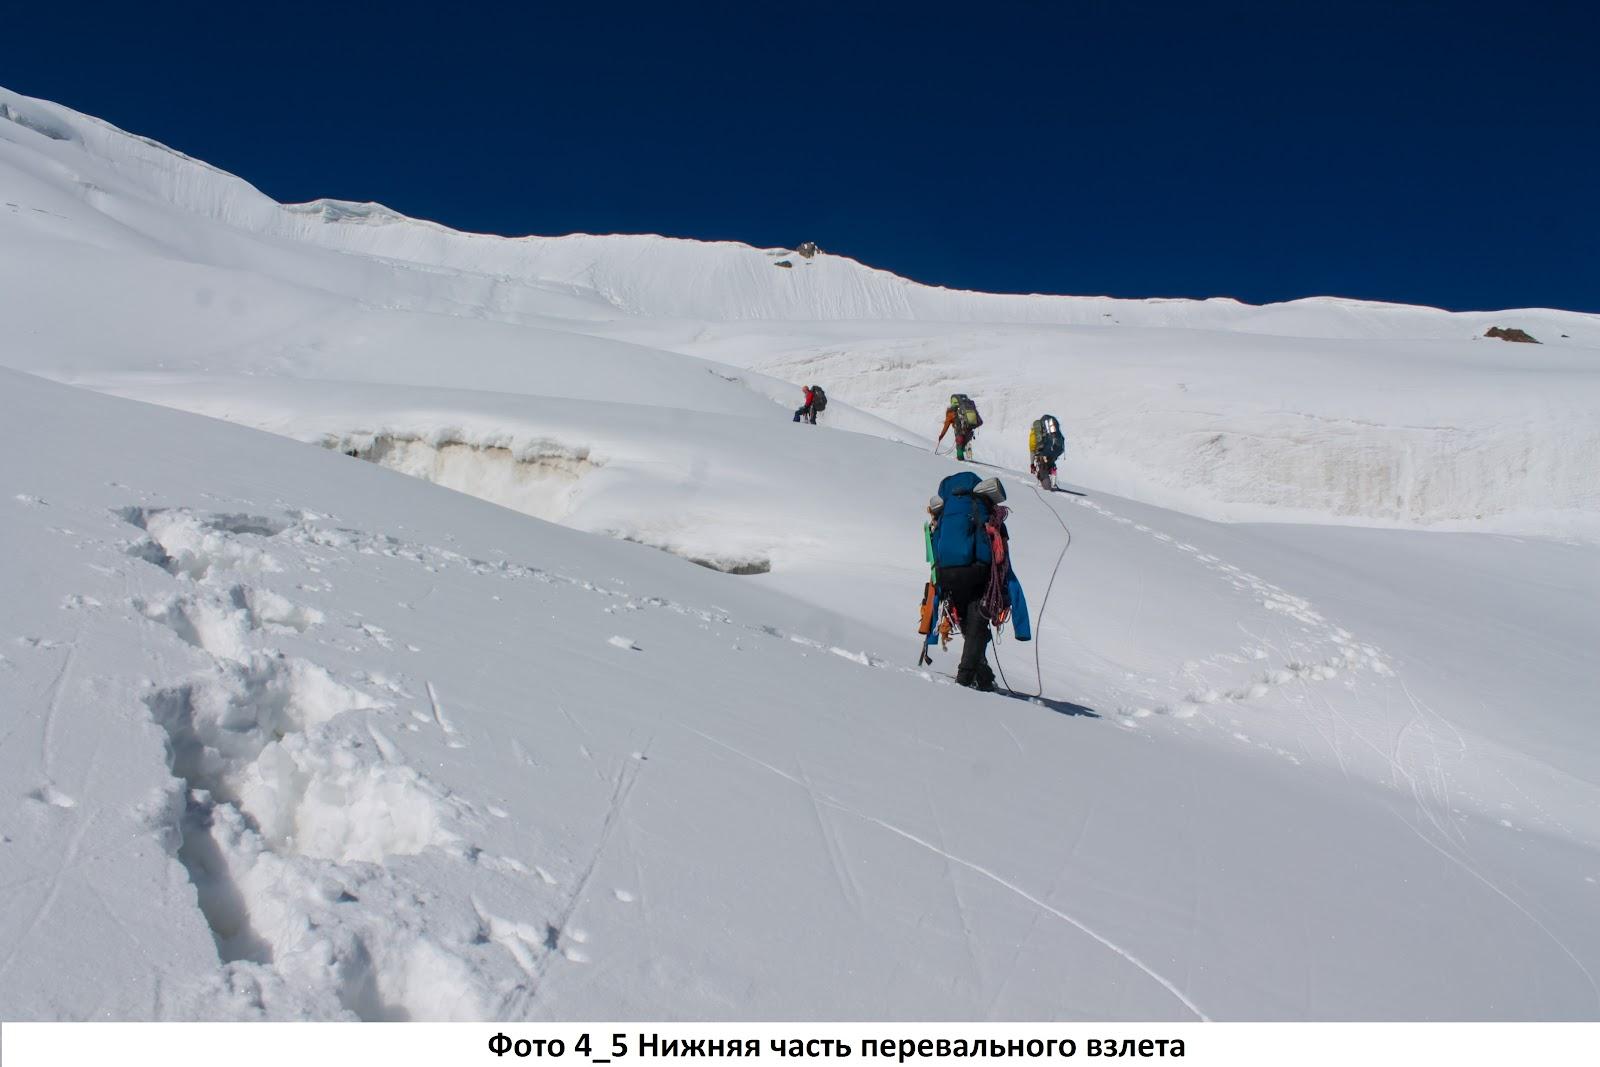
784,263
1512,334
807,249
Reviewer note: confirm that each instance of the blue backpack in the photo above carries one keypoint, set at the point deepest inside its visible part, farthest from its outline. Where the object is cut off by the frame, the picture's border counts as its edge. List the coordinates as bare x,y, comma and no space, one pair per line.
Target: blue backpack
959,539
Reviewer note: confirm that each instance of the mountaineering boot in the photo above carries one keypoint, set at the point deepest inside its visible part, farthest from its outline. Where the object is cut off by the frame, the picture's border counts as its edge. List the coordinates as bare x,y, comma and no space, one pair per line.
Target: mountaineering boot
981,679
984,680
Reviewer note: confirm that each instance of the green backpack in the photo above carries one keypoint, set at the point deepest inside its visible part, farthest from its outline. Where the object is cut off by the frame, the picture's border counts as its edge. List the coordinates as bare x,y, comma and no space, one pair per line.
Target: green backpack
967,417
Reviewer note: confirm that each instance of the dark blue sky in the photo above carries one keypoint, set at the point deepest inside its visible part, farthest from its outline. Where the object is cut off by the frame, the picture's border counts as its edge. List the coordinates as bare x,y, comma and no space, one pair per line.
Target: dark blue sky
1437,153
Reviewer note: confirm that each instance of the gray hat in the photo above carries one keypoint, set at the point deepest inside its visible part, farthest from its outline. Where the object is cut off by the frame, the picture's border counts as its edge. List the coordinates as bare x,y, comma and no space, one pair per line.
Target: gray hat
991,490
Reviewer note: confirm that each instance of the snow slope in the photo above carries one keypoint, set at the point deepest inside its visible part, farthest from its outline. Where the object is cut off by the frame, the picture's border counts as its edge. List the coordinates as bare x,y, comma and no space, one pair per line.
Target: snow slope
1238,426
448,762
288,735
1314,410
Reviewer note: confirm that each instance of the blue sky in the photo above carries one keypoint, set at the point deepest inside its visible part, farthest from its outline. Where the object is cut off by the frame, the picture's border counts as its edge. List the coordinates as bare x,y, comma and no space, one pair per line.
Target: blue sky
1439,153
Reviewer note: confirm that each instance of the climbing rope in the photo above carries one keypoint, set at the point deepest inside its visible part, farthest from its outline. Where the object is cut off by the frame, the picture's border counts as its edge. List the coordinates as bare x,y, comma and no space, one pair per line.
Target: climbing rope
1038,622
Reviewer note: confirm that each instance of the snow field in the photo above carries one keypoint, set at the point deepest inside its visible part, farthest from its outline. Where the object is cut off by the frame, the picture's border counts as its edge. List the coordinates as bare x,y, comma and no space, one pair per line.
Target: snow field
583,843
1239,427
1245,660
1315,410
285,735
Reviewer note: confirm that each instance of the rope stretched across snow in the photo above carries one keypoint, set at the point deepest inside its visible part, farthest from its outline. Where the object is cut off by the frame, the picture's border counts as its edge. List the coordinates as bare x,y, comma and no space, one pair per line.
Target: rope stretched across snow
1038,674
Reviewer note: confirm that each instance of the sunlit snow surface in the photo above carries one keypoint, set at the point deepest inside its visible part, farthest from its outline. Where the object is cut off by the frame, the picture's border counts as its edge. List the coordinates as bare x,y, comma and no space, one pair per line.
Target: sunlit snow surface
285,733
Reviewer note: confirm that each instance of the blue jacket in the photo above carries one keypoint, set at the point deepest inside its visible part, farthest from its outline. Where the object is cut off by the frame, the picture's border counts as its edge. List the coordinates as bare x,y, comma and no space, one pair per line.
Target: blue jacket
1021,625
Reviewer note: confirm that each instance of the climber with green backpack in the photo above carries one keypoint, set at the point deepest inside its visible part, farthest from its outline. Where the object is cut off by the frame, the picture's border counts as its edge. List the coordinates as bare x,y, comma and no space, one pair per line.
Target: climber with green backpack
961,416
972,586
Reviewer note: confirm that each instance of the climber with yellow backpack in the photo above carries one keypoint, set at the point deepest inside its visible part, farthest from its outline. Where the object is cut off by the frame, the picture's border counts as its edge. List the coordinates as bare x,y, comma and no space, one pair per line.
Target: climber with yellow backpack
1045,446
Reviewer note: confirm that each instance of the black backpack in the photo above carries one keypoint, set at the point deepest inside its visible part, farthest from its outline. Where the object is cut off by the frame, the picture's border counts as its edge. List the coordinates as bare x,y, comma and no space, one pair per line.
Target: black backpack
819,399
1050,440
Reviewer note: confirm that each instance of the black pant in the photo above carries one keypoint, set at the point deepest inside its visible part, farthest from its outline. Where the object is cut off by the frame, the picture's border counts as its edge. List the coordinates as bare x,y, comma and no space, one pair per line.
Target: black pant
963,588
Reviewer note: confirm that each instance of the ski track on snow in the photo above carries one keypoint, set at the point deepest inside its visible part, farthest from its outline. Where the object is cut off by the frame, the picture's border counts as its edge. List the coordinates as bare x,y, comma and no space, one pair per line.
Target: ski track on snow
992,876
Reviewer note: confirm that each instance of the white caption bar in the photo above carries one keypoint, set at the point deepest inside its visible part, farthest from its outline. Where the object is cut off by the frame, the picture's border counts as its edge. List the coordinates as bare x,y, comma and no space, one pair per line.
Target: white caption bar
863,1044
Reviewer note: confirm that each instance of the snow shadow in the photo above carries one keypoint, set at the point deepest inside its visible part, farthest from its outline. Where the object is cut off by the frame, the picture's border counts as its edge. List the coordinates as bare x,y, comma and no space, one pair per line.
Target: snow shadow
1060,707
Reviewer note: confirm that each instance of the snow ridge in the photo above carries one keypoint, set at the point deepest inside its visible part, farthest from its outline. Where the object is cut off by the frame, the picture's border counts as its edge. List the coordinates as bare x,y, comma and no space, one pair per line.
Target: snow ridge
658,276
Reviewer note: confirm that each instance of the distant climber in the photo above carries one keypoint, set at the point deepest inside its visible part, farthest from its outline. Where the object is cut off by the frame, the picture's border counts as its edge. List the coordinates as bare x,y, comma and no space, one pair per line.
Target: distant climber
972,583
961,416
816,403
1045,445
